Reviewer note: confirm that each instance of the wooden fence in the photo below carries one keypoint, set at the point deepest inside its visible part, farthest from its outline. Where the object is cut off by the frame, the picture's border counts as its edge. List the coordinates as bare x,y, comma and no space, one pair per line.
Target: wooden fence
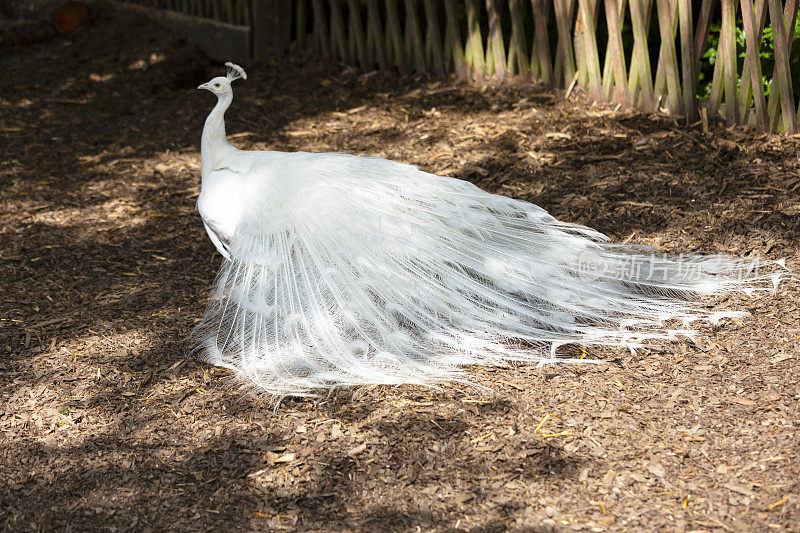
647,54
229,11
238,30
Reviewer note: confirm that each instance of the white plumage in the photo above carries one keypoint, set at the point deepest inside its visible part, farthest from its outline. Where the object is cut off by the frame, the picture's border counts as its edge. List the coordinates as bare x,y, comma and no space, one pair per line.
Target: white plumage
343,270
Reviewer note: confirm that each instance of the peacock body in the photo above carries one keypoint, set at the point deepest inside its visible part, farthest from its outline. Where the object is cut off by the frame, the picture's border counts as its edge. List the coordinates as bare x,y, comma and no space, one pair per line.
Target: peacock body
342,270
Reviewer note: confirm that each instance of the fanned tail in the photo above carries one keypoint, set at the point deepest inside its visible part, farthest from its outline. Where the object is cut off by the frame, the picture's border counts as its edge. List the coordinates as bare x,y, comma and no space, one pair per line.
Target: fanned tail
406,284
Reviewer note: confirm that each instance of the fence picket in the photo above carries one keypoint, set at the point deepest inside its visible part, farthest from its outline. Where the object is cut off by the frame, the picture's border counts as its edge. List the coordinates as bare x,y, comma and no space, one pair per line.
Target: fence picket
782,78
703,28
495,47
357,46
454,50
541,63
565,57
321,40
715,96
300,20
579,49
517,49
474,52
745,88
394,37
789,17
433,45
591,58
667,82
339,48
615,75
640,80
723,83
578,43
728,58
688,61
375,47
751,72
415,50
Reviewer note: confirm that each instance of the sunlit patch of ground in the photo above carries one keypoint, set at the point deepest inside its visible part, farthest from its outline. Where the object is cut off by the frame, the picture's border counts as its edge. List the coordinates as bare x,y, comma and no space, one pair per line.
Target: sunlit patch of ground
105,423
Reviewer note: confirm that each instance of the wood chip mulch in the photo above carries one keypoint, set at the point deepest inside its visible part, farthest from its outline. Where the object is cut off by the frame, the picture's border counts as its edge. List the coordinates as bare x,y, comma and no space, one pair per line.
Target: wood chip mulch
106,425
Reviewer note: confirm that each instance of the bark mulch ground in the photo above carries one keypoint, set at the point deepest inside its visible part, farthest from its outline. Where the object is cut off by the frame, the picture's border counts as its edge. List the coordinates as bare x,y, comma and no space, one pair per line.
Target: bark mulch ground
105,424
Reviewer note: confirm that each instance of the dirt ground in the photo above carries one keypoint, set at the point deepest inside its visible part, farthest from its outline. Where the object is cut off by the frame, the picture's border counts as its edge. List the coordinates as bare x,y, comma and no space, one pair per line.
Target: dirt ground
106,425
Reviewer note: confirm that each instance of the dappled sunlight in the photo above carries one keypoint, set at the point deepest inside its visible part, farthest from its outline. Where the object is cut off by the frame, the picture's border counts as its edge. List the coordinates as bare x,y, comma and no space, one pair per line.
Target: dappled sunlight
113,214
105,421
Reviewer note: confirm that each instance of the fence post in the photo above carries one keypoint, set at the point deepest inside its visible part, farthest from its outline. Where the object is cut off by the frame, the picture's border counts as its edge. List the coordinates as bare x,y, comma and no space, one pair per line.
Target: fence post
688,61
272,26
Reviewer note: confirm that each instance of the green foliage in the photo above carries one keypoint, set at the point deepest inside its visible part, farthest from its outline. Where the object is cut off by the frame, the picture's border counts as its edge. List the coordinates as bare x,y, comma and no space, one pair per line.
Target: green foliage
766,54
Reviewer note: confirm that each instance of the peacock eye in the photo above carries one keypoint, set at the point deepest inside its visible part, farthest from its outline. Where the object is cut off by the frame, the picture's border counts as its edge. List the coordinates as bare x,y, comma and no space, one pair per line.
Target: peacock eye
216,85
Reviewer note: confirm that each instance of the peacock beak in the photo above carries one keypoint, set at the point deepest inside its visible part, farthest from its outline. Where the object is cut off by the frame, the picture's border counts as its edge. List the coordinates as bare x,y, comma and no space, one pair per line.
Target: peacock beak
204,86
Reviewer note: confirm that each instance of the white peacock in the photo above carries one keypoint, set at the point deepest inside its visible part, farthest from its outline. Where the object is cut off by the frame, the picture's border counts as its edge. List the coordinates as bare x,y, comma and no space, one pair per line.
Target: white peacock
341,270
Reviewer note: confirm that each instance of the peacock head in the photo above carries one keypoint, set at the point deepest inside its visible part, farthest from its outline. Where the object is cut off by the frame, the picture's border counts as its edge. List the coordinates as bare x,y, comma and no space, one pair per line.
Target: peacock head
221,85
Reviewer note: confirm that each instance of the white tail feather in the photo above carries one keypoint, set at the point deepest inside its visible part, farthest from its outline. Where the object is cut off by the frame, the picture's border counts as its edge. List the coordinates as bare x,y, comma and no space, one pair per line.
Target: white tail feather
351,271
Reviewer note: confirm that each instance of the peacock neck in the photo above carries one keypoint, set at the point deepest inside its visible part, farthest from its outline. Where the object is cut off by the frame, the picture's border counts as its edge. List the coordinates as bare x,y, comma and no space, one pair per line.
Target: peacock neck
214,145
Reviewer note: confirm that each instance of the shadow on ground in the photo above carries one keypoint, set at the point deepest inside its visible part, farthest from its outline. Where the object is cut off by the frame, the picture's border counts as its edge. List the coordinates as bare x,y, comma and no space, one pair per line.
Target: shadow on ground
107,425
